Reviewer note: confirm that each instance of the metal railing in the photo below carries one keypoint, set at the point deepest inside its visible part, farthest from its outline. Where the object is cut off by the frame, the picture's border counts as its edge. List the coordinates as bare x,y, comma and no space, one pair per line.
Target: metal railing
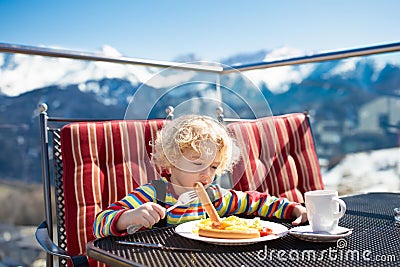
340,54
51,52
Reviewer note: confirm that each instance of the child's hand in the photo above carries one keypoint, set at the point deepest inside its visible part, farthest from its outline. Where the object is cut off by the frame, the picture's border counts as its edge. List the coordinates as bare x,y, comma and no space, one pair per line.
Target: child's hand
146,215
300,213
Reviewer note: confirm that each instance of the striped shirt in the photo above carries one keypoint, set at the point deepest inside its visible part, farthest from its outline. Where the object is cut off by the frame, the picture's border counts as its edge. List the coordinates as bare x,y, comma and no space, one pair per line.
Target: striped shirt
226,202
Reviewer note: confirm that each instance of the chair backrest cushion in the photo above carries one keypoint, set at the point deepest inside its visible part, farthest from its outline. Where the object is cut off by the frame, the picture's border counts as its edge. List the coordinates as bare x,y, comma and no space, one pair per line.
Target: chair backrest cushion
102,162
278,156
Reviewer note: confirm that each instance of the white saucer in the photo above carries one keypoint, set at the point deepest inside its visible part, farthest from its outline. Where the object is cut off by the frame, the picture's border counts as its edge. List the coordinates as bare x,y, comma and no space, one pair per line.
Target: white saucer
306,233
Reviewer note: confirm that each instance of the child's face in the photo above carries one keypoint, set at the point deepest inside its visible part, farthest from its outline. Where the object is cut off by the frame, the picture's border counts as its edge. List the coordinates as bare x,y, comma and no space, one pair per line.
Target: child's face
192,168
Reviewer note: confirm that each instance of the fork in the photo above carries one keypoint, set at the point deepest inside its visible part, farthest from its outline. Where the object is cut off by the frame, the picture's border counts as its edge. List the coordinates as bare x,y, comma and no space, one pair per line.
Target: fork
183,199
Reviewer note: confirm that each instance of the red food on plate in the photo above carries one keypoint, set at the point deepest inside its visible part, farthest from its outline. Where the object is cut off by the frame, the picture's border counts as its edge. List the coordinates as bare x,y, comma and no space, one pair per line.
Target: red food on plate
266,231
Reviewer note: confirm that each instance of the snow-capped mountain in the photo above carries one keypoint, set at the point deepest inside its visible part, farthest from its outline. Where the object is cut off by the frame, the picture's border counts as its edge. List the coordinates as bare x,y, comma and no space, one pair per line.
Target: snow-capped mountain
39,72
22,73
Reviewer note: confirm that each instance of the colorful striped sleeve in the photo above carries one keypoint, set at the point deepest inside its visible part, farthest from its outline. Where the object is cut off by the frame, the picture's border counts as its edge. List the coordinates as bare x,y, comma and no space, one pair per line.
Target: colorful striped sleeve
254,203
105,222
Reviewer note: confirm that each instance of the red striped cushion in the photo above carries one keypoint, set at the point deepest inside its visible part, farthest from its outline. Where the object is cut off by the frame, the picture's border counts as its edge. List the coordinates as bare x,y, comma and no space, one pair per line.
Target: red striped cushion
100,166
291,171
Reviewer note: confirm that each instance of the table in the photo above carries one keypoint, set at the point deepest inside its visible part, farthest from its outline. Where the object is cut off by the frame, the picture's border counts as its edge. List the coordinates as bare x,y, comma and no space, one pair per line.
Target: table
375,241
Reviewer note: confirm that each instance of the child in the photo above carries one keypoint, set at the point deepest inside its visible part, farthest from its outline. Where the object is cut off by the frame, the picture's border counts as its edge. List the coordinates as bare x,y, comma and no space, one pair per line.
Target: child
194,149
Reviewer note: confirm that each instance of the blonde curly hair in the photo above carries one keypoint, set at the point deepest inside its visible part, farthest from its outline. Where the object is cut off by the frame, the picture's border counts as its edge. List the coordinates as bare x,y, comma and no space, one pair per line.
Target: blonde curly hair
194,132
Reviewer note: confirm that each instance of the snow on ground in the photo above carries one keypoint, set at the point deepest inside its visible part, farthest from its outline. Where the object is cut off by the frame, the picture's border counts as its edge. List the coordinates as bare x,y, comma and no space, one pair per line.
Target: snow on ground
373,171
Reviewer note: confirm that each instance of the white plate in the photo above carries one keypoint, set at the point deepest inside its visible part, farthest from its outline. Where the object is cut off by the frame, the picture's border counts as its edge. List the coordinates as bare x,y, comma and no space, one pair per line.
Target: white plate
305,233
186,229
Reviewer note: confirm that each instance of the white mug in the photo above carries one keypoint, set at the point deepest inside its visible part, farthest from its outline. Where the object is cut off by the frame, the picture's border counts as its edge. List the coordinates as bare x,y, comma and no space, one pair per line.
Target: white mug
323,210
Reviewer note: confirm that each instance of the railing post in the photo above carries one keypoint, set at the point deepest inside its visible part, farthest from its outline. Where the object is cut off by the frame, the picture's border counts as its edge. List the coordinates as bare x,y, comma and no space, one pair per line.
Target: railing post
170,112
220,114
44,141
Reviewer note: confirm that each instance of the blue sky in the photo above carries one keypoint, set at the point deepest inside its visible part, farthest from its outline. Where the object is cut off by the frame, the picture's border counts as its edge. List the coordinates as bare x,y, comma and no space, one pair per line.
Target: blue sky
212,30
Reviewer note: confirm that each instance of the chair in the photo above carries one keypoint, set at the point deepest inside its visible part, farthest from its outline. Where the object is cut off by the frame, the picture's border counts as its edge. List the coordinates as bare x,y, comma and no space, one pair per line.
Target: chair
95,164
289,172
